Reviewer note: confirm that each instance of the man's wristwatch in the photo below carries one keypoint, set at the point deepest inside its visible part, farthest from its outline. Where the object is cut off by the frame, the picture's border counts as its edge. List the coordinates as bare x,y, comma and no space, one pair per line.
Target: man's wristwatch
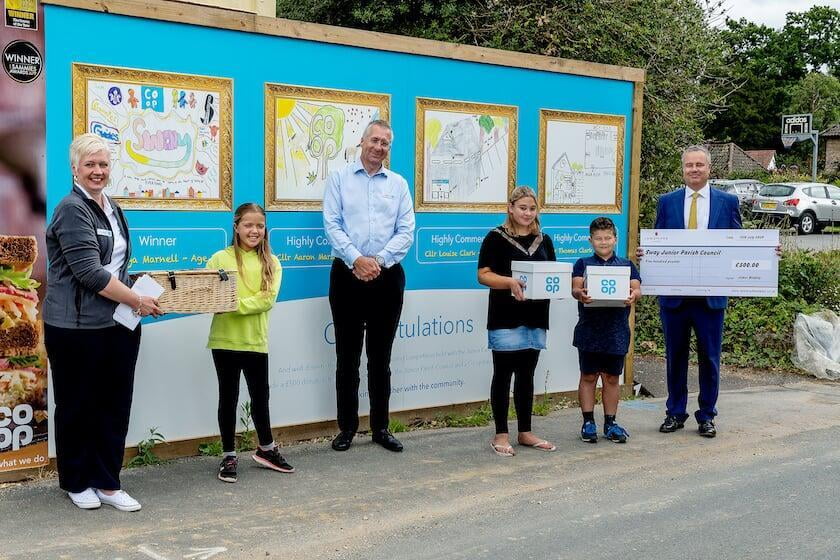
379,260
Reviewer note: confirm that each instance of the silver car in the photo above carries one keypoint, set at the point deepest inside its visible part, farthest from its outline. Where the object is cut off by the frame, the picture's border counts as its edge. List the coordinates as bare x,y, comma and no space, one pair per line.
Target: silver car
745,189
808,206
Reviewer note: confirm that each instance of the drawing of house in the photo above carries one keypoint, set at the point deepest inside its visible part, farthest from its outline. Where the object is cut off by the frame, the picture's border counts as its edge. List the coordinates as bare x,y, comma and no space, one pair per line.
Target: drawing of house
564,187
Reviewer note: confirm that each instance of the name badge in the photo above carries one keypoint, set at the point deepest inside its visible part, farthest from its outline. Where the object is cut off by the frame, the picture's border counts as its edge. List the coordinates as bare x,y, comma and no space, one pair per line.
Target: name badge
105,232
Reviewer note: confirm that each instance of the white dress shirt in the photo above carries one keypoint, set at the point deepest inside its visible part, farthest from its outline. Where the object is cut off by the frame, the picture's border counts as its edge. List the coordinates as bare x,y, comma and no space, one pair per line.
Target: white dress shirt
368,215
703,206
120,245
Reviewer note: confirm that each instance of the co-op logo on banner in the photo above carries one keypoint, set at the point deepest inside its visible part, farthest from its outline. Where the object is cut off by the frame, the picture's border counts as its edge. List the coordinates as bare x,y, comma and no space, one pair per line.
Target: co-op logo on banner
15,431
22,61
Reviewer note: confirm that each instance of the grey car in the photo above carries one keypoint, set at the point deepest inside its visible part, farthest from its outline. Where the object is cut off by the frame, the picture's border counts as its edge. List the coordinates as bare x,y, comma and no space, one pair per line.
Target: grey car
808,206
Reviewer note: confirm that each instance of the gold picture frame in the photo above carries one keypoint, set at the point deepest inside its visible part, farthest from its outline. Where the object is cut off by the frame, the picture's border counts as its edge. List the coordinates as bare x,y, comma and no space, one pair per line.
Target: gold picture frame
116,102
482,180
310,132
587,155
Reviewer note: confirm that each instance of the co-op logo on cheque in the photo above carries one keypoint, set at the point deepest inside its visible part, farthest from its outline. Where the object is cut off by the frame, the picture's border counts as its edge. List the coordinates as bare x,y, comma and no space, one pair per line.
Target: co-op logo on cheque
162,147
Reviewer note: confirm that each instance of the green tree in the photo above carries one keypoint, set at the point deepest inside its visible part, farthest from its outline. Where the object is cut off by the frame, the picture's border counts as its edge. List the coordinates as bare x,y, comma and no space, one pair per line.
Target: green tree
764,67
770,66
671,39
817,33
819,94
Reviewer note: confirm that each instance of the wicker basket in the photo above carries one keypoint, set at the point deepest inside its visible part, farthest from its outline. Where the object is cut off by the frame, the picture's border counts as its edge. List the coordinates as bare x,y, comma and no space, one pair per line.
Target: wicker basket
197,291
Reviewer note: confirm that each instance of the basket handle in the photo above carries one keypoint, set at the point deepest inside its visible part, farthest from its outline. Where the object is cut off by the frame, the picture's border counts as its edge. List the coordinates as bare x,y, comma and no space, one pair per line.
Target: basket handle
171,276
223,275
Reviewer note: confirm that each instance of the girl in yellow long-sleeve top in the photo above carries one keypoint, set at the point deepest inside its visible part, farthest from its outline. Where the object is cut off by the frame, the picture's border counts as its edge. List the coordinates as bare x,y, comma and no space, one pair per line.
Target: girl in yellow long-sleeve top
239,339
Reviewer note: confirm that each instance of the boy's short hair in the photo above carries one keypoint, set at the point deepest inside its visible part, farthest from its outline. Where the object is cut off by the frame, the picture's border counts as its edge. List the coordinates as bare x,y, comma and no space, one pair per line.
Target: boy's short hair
602,223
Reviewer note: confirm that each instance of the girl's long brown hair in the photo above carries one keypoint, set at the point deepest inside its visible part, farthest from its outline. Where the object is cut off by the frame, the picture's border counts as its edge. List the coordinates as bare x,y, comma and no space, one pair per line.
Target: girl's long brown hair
263,249
521,191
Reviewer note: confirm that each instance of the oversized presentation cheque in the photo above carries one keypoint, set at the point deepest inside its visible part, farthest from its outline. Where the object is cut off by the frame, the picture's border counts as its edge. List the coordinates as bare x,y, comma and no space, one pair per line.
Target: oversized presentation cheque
710,262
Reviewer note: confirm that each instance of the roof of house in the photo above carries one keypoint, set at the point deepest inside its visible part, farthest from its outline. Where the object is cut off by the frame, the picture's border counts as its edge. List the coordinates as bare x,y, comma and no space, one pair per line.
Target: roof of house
832,131
728,158
764,157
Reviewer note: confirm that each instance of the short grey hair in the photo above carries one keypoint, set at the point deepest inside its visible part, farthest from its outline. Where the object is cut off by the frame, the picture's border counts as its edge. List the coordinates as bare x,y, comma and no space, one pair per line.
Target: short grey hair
86,144
697,148
380,123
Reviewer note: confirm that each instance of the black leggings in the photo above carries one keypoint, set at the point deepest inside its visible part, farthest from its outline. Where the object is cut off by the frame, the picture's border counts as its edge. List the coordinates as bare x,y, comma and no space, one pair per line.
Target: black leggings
523,362
255,367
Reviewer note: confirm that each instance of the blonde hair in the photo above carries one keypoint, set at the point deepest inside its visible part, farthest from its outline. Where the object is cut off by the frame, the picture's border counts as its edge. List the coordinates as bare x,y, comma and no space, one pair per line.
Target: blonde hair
519,192
85,144
263,249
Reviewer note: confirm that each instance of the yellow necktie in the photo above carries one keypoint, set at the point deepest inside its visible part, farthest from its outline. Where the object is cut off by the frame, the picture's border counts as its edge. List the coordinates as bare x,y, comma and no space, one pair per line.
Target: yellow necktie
692,212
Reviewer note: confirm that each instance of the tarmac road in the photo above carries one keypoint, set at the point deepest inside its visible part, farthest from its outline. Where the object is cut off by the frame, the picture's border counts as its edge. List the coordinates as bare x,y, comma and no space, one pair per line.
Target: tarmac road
766,488
817,242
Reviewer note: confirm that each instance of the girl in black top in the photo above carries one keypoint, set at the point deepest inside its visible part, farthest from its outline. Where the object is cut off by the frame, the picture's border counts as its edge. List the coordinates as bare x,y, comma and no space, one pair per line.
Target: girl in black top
516,327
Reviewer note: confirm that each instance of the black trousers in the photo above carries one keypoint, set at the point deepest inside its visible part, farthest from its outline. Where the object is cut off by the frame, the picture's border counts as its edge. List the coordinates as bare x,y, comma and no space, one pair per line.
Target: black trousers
93,382
255,367
366,312
523,362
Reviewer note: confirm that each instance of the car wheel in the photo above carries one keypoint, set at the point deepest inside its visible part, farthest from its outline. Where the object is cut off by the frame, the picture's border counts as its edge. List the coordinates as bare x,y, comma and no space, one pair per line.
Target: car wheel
807,223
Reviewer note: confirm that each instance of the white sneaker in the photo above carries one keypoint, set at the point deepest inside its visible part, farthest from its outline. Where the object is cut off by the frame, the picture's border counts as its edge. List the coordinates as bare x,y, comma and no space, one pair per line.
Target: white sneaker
86,499
120,500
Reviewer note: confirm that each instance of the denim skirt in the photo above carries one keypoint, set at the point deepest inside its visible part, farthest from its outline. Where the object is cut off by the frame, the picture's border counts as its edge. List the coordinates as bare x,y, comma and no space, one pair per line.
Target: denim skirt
520,338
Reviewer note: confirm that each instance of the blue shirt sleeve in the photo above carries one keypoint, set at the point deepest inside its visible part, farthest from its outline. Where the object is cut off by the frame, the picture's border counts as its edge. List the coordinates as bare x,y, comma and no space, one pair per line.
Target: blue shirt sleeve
634,272
334,224
397,247
579,268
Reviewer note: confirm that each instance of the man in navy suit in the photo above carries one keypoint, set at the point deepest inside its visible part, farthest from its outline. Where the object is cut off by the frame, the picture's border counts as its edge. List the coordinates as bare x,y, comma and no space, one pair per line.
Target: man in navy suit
695,206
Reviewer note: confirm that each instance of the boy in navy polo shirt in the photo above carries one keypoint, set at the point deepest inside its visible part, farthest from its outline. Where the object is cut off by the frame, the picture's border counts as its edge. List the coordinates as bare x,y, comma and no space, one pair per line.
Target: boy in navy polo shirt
602,335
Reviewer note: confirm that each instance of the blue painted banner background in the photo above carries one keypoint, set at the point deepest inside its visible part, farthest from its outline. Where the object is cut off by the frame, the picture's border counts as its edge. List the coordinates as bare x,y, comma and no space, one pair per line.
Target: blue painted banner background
440,268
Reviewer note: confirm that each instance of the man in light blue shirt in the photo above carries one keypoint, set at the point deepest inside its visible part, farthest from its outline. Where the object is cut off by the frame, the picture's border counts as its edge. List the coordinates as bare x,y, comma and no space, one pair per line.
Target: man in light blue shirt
369,219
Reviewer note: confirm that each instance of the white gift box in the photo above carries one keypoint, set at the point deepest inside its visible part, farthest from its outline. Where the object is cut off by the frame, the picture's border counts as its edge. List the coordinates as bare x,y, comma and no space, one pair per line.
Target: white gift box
544,279
608,286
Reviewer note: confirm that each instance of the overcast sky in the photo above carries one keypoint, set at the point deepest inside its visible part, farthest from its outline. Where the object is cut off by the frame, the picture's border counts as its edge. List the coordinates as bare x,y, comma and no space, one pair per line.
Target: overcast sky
772,12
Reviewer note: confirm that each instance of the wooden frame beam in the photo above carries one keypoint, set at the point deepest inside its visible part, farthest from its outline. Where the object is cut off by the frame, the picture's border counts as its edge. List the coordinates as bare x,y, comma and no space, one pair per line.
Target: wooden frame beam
207,16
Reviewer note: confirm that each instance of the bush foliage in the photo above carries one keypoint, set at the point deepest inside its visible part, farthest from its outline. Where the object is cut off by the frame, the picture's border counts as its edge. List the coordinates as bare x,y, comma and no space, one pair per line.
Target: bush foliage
758,332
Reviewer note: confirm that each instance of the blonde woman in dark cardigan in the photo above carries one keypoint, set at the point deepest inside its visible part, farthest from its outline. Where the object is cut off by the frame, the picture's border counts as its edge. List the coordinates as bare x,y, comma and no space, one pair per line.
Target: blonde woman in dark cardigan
91,357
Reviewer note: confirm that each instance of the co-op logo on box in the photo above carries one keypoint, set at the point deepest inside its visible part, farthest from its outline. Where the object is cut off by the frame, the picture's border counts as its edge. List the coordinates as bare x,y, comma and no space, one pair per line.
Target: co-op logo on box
552,284
22,433
608,286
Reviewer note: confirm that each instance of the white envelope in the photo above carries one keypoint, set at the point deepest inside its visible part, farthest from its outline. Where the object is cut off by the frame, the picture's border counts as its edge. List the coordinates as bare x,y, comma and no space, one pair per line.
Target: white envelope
144,286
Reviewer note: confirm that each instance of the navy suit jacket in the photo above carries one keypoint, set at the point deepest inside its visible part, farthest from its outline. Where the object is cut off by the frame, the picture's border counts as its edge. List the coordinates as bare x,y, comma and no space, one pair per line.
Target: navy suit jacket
724,213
